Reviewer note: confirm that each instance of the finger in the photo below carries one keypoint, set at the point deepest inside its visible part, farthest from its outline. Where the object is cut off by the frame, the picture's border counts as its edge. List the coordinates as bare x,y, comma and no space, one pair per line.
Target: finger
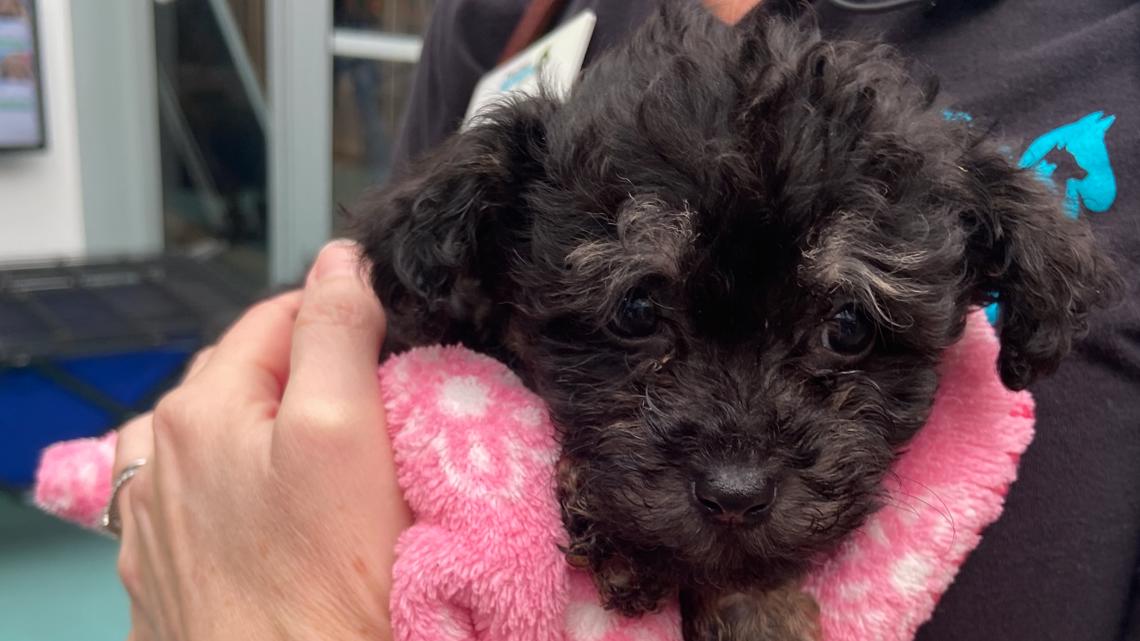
336,342
142,629
252,358
145,560
136,441
129,564
197,362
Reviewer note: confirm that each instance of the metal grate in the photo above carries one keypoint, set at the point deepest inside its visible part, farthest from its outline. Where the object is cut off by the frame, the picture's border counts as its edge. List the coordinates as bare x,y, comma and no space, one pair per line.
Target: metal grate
75,309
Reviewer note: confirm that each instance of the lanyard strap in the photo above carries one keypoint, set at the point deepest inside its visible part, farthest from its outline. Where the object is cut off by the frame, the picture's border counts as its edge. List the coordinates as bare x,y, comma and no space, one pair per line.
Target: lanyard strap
535,20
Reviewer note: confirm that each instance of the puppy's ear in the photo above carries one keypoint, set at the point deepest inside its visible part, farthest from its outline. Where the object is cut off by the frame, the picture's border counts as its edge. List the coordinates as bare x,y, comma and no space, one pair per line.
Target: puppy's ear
1044,268
436,237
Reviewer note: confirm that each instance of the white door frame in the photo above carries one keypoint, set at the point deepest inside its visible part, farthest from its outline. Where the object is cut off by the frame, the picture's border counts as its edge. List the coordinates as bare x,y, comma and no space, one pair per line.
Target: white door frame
299,135
302,44
118,116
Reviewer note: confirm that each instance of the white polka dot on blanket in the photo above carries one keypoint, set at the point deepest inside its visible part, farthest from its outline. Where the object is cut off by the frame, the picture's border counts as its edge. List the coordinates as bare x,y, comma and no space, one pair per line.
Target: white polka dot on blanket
399,371
87,474
586,621
910,573
875,533
853,591
463,397
478,457
529,416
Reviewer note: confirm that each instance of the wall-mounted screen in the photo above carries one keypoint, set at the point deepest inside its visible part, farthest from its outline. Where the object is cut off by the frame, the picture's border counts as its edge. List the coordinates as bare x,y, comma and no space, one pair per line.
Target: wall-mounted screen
21,95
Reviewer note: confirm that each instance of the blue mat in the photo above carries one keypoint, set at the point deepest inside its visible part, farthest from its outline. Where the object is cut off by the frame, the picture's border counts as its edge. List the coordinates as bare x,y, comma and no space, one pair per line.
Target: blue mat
72,398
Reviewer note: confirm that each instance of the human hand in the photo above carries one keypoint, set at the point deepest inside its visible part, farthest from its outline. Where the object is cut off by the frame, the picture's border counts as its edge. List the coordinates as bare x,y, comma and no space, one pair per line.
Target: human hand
269,507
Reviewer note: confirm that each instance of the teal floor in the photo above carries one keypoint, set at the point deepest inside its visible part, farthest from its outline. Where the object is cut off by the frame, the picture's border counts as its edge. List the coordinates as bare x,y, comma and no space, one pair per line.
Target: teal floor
57,582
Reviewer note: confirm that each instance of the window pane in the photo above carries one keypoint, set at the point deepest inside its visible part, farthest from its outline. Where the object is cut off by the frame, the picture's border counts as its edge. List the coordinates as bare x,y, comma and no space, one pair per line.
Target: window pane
368,103
211,84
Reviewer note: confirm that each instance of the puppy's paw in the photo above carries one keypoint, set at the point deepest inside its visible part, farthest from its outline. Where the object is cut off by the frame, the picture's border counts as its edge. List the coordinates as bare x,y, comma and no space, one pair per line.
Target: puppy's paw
781,614
623,585
622,588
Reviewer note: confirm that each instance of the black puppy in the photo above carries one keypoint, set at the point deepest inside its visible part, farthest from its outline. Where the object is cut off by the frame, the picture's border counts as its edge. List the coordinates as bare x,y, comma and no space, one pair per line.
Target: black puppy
729,262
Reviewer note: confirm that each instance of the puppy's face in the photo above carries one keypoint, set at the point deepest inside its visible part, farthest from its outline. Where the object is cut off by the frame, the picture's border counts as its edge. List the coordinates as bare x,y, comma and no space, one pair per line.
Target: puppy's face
729,263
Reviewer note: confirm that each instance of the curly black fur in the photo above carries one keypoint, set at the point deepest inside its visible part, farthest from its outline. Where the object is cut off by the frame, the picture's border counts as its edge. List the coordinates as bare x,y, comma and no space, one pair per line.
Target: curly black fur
750,181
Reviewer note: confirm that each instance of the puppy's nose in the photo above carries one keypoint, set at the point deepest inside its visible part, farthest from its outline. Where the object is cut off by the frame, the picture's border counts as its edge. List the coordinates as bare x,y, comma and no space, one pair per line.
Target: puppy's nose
735,495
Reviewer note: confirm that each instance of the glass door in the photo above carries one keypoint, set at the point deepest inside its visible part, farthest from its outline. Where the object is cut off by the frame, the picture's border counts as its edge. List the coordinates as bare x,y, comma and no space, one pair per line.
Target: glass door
211,78
244,104
375,45
253,120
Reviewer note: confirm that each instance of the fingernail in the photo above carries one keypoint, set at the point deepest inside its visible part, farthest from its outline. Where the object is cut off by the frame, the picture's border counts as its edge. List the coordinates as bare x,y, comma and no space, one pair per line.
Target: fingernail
337,258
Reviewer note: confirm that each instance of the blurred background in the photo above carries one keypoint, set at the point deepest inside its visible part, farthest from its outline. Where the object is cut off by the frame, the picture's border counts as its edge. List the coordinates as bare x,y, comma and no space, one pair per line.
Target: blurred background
162,164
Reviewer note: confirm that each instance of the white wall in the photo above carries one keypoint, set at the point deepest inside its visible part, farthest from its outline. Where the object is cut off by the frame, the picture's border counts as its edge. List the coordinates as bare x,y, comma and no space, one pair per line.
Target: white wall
41,200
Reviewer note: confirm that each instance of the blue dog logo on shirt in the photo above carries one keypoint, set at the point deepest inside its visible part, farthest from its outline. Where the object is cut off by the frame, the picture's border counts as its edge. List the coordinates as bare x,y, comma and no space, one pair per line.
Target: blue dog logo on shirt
1094,184
1075,153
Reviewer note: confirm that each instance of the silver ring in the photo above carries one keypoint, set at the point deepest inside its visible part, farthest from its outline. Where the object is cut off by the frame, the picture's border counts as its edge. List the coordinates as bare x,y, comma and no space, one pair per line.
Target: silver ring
111,522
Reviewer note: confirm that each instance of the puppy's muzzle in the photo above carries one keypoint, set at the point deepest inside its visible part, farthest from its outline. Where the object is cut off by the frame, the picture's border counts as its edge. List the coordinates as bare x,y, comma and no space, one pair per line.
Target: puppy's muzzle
734,494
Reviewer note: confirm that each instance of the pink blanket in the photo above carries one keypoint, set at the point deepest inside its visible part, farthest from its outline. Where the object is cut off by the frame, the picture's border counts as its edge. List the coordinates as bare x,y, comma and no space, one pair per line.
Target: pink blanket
475,452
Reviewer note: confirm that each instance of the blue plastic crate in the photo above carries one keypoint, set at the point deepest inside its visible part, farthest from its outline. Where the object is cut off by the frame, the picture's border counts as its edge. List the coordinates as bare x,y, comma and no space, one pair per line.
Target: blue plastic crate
47,402
83,347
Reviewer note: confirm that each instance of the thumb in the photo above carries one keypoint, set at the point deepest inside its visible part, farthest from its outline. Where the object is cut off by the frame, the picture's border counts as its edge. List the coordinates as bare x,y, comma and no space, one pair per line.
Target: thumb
337,336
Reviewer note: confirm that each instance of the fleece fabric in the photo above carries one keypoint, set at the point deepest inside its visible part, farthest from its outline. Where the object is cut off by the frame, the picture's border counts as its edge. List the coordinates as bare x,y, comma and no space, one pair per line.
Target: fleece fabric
476,453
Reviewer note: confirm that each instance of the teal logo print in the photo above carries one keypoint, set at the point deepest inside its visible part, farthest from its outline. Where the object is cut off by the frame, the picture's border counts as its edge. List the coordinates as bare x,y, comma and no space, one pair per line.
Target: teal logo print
1073,157
1092,184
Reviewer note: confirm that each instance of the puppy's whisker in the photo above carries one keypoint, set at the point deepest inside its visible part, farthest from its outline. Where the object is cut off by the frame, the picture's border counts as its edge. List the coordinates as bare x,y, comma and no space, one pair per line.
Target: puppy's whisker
942,509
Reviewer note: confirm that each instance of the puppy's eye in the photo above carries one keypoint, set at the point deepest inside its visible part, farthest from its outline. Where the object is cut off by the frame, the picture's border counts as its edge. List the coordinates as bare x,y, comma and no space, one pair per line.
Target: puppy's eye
637,315
849,332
